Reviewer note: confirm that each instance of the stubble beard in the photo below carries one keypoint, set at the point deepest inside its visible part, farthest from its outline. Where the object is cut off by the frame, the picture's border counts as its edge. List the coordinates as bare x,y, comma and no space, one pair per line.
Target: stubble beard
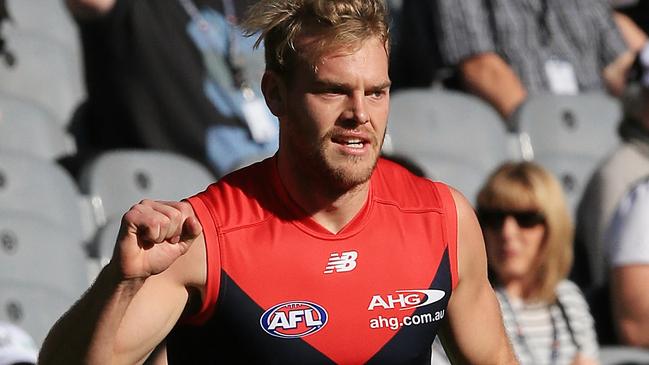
333,172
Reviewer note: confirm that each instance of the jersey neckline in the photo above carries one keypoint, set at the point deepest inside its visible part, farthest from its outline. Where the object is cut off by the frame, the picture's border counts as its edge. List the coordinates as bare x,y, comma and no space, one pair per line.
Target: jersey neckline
307,224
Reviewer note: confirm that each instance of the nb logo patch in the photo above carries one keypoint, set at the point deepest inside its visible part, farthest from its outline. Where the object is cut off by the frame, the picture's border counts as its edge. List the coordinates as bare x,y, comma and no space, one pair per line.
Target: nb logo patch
342,262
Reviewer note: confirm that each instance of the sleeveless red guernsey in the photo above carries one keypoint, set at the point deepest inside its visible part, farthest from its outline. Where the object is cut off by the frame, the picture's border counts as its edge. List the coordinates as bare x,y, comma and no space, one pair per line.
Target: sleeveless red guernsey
281,289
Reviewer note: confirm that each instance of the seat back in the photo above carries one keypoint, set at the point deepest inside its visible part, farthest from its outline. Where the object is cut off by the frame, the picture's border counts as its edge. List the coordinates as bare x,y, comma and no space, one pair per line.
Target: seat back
569,135
623,355
36,251
123,178
29,185
454,137
47,18
26,127
45,73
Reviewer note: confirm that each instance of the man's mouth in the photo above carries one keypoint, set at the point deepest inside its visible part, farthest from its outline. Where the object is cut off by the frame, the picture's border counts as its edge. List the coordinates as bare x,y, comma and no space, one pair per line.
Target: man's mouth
351,142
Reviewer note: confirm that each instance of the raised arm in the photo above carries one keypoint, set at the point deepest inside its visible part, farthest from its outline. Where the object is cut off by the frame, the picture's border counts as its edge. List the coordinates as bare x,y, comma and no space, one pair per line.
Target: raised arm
138,297
474,332
84,9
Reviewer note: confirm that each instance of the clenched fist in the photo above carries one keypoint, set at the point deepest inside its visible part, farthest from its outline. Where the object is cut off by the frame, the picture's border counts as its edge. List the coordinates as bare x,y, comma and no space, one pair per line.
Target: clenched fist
153,235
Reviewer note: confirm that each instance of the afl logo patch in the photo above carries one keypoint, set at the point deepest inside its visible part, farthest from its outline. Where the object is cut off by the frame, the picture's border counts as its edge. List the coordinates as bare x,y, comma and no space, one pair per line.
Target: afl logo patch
294,319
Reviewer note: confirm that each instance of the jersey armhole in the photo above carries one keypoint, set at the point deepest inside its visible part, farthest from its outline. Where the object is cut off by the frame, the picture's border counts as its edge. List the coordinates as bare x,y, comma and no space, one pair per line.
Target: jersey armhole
213,262
450,228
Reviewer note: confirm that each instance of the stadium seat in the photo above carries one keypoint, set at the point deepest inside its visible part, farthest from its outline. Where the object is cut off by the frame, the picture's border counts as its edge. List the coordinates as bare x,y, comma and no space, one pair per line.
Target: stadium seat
45,17
122,178
454,137
42,272
29,185
38,252
45,72
34,308
623,355
104,243
27,128
569,135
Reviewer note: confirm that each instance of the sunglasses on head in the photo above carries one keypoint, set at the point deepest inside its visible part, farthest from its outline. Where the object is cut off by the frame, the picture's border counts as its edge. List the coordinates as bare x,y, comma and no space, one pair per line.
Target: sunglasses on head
494,218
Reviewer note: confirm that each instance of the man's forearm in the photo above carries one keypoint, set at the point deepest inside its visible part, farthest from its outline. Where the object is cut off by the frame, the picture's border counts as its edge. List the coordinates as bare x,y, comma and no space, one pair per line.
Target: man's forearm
85,9
490,77
86,333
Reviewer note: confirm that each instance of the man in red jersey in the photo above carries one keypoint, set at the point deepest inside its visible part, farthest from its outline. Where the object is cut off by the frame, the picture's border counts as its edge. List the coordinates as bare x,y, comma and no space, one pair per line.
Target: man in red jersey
324,253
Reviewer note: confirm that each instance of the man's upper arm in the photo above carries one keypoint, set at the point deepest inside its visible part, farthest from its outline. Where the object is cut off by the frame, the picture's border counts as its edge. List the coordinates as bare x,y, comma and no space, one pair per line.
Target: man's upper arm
630,295
160,303
628,240
475,328
614,54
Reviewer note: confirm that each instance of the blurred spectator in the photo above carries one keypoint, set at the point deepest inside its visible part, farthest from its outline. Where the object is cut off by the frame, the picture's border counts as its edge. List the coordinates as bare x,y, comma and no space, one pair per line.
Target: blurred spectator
16,346
173,75
504,50
612,221
627,242
528,234
628,164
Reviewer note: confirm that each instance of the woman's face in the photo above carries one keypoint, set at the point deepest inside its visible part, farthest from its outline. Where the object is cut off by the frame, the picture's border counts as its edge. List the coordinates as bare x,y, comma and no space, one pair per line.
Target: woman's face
513,240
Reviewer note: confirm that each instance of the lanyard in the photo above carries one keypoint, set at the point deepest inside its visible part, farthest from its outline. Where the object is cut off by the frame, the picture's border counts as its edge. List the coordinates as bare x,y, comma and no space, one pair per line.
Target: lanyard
228,69
554,354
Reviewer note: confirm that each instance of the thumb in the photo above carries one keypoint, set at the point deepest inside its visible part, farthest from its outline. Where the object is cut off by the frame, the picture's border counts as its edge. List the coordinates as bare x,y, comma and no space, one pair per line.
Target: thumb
191,229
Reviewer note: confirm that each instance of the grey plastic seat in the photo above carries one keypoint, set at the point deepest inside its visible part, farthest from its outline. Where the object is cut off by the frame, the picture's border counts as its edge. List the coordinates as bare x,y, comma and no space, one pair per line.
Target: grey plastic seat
34,308
122,178
45,17
29,185
45,72
623,355
104,242
569,135
42,272
35,251
455,137
27,128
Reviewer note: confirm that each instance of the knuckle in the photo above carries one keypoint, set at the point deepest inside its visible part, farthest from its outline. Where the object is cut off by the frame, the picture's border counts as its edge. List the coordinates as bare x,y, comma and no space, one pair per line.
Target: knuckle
175,214
131,215
147,202
162,220
186,209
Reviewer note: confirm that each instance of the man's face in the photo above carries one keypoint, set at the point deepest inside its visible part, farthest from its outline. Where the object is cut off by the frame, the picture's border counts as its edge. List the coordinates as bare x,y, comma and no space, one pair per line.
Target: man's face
336,115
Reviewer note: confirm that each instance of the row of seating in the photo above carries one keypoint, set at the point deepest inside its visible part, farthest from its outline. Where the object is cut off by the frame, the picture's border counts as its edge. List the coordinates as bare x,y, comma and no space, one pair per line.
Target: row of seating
454,136
55,233
458,138
47,68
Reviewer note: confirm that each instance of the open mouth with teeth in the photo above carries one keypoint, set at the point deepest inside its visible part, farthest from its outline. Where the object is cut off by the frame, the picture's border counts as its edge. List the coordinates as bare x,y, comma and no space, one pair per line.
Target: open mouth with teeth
351,143
354,143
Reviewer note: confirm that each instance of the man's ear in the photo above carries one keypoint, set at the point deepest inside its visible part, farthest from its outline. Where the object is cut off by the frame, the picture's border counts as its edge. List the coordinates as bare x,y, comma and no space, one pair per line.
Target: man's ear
274,89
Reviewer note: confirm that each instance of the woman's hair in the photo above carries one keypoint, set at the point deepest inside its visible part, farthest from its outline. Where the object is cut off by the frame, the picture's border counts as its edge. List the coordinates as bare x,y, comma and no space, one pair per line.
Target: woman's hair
525,186
329,25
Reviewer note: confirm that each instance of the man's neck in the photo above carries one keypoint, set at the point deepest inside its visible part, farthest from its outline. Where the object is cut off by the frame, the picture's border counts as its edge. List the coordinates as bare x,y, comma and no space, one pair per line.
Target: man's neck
330,208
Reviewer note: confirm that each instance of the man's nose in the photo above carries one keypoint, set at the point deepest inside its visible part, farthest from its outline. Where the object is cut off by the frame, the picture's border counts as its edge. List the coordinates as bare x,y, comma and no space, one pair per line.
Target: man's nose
357,108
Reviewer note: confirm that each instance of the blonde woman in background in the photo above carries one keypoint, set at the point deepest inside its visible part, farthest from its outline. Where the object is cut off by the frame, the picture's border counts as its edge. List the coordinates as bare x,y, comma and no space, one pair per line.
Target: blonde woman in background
528,234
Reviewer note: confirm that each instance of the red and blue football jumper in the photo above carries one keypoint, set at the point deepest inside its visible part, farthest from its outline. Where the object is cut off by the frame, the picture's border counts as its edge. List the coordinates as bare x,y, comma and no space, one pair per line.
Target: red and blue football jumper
281,289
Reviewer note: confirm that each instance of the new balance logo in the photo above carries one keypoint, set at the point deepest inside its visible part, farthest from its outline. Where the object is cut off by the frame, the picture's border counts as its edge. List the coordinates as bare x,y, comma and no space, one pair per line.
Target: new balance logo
343,262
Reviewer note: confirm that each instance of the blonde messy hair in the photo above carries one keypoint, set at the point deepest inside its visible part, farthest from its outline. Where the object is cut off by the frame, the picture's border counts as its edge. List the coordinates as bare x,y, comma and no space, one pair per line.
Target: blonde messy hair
332,24
524,185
